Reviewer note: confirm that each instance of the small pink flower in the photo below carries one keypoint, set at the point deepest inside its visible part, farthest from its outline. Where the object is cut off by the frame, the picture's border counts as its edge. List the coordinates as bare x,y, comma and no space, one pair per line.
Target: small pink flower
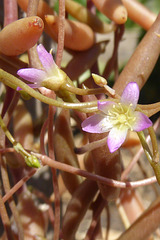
118,118
51,74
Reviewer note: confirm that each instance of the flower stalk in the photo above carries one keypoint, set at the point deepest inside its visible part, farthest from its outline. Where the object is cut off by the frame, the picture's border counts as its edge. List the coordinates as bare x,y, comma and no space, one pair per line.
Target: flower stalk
13,82
30,159
145,146
152,158
154,144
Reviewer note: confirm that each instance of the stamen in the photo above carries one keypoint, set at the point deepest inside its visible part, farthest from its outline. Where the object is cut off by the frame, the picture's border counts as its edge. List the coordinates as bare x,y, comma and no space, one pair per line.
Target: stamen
121,115
120,105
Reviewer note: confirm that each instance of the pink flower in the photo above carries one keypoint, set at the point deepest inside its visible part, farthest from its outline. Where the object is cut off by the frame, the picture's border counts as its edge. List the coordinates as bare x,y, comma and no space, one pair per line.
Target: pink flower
118,118
51,77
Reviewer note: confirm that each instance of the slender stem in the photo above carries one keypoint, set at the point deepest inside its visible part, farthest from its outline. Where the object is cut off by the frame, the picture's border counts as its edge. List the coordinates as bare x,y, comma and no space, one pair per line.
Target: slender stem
61,32
32,52
54,173
12,204
155,159
14,82
156,168
145,146
154,144
30,160
151,158
32,8
5,220
110,182
10,11
10,110
126,172
86,91
5,130
98,207
90,146
18,185
42,136
111,63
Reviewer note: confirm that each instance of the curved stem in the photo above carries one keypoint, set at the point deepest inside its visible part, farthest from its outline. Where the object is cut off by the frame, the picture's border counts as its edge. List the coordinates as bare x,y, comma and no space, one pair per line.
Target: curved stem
29,159
14,82
110,182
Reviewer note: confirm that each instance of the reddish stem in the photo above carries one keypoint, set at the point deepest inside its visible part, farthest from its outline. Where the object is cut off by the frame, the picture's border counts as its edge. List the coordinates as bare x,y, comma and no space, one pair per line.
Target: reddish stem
107,181
54,175
127,170
61,32
42,136
5,220
10,11
112,63
32,52
97,209
18,185
32,8
12,205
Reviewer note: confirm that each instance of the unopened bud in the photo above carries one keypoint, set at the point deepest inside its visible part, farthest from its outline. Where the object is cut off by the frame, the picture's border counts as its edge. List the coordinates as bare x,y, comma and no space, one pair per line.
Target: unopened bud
100,81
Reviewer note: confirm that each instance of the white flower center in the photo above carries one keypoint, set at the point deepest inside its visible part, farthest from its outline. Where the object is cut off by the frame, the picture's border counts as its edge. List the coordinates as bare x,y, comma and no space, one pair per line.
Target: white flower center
122,115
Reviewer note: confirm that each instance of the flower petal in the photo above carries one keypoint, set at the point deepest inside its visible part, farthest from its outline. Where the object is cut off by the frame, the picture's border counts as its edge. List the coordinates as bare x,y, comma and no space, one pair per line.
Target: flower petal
130,94
36,85
142,122
115,138
105,106
32,74
96,124
45,58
